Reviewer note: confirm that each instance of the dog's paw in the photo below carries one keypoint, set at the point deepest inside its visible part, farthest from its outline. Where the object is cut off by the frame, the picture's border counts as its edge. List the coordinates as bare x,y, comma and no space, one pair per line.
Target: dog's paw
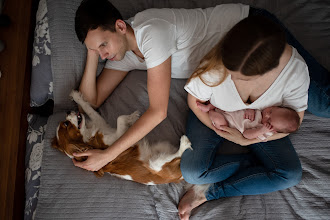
76,96
132,118
184,144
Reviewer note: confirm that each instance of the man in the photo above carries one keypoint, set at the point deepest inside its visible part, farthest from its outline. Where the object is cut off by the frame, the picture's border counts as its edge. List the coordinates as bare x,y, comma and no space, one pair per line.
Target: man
165,42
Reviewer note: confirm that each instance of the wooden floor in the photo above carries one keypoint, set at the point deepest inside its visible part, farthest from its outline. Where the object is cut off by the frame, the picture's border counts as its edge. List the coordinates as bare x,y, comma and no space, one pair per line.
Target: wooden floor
15,66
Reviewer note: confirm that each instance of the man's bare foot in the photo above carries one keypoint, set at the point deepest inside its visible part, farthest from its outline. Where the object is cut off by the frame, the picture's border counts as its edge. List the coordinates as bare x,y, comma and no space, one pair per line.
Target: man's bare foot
188,202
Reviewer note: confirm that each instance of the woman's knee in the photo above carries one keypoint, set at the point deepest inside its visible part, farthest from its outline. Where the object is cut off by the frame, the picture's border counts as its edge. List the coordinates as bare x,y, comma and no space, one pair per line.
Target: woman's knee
191,171
291,176
295,175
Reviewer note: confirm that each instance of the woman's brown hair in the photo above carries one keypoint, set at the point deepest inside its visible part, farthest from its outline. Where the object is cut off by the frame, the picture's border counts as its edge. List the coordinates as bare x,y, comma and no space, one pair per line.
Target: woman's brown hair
253,47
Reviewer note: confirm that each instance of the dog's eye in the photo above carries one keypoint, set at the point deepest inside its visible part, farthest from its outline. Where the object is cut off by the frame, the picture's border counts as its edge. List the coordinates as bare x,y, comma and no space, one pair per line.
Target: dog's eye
66,123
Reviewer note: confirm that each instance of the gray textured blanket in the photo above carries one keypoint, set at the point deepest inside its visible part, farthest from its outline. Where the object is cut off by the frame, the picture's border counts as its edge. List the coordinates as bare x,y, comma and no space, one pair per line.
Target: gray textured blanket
67,192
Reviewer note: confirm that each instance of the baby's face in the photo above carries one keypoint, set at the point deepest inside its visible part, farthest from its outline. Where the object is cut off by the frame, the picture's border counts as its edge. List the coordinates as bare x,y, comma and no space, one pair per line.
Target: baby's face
275,116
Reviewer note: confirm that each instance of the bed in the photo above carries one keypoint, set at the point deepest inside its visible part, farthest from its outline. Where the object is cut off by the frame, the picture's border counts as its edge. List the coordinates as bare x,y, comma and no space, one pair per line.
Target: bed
55,189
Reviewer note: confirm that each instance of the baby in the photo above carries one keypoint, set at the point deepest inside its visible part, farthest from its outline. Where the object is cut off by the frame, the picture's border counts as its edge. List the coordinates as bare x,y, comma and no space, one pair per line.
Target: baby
255,123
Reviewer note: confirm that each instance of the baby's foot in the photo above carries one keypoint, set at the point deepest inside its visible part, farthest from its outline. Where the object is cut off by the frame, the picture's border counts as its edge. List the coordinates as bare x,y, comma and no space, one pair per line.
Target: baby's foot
205,107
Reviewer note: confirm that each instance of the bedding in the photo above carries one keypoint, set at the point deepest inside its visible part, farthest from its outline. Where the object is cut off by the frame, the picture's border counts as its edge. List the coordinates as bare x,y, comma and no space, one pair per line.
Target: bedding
34,147
41,78
67,192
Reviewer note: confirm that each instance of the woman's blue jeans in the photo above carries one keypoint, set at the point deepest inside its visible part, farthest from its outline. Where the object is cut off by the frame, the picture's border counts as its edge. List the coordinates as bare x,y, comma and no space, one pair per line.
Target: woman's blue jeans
270,166
319,88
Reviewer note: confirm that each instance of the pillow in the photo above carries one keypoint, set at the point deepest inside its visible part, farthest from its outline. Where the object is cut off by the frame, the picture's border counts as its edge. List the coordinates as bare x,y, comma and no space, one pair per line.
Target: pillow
41,79
34,150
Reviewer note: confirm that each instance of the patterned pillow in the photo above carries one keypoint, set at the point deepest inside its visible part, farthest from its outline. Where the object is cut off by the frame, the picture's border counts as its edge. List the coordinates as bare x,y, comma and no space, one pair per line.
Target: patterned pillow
41,79
34,149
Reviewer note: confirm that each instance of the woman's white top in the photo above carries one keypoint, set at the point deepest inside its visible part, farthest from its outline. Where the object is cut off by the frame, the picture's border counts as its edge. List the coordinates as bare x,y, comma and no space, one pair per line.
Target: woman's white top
290,89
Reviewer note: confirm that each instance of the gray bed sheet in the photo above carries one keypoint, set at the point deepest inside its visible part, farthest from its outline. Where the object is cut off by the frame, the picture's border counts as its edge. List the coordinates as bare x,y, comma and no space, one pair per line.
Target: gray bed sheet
67,192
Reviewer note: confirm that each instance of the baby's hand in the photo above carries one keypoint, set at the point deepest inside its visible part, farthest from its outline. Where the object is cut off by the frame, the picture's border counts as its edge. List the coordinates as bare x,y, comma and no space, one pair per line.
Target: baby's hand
249,114
267,127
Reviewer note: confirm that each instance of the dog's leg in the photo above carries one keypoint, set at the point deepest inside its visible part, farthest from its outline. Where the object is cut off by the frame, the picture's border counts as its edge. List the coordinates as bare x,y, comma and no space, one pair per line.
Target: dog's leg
126,121
92,114
184,145
157,163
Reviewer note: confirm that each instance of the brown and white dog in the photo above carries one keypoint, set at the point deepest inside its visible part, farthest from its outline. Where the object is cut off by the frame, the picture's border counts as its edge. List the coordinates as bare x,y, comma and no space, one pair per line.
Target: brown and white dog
144,163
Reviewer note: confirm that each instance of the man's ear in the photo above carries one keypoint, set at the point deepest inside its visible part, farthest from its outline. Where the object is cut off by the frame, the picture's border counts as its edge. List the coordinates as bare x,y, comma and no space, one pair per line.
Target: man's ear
121,26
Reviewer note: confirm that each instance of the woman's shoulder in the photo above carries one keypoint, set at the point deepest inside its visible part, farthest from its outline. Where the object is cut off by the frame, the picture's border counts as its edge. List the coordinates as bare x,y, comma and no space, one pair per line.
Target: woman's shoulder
298,65
295,72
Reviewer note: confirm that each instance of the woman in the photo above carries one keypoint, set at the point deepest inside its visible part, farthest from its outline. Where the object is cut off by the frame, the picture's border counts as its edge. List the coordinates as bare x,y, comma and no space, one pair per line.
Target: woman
251,67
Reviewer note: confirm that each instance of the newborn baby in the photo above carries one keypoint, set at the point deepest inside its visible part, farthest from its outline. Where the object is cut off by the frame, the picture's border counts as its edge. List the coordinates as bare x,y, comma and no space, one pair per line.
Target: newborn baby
255,123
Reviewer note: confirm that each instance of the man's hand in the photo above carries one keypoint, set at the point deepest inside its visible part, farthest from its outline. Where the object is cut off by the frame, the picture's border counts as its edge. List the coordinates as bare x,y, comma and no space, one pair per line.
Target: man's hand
92,52
249,114
95,161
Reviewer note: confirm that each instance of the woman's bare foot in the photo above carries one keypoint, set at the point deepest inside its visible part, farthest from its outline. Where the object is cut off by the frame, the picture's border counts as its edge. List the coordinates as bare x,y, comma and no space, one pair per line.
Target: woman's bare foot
189,201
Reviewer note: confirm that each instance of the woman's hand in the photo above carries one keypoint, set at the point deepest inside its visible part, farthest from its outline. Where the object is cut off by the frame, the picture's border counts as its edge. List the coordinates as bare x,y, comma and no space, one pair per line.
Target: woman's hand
96,159
233,135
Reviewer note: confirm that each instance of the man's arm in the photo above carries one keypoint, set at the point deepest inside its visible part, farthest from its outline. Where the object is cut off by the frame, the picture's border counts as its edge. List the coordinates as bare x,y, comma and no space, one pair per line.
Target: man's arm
95,91
159,79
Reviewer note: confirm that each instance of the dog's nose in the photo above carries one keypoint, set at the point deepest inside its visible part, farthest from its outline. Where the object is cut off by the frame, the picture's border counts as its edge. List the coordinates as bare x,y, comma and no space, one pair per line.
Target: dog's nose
68,112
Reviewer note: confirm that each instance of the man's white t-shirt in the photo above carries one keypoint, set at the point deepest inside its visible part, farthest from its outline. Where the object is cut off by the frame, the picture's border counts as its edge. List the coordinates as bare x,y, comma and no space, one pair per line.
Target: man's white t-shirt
185,34
290,89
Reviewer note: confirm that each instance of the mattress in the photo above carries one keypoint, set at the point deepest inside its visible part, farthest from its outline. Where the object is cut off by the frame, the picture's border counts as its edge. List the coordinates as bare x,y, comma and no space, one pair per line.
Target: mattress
68,192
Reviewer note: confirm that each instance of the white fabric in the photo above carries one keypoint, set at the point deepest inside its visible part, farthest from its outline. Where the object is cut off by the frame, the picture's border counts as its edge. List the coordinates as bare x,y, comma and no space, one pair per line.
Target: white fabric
290,89
185,34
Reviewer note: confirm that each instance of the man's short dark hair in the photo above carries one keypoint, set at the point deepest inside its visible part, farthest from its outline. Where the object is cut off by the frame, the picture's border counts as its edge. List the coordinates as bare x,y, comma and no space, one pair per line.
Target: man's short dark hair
92,14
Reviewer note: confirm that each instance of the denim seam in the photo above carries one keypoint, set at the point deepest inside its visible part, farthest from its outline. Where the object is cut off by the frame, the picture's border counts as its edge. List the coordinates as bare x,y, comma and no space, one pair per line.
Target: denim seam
209,159
229,163
244,178
259,145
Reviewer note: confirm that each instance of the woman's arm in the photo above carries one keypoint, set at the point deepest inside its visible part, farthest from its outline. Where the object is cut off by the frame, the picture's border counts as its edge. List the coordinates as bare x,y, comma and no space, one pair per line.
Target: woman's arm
159,79
201,115
235,136
252,133
95,91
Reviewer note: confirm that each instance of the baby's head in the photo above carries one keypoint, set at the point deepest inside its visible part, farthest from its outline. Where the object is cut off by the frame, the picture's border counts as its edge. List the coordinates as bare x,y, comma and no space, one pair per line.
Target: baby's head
283,120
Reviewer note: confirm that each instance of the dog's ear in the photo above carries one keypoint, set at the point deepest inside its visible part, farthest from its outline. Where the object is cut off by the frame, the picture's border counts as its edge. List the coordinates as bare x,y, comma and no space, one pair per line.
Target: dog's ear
78,148
55,144
99,173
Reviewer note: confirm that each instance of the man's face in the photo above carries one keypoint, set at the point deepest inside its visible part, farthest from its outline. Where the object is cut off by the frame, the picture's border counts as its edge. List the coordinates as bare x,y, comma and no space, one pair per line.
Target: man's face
109,45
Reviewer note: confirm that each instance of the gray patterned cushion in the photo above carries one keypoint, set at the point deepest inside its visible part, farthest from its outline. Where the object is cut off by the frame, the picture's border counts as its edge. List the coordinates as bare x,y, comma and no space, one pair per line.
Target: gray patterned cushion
41,79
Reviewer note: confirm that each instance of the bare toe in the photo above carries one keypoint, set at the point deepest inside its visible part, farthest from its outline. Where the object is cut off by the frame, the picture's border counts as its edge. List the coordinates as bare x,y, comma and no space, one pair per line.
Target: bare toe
188,202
